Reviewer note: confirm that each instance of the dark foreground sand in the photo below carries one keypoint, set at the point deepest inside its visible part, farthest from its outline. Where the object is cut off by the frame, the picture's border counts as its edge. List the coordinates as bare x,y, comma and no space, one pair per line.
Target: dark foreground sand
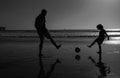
19,59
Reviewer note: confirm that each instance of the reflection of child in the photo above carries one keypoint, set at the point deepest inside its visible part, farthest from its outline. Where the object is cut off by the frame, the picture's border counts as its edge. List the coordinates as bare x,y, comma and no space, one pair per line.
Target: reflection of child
100,38
103,68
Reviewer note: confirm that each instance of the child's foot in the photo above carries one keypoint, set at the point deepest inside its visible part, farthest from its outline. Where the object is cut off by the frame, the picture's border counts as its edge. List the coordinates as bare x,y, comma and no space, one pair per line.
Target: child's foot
99,52
89,46
89,57
99,63
58,46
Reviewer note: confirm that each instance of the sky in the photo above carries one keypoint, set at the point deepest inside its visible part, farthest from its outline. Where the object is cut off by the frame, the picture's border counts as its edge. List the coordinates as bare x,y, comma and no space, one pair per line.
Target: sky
62,14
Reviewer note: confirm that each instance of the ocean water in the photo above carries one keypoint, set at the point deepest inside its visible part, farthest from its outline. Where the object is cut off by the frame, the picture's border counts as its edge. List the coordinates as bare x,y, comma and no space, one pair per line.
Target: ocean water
60,35
57,33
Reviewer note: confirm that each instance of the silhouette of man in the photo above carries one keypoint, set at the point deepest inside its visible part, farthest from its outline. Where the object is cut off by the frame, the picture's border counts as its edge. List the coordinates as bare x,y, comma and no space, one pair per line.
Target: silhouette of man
42,30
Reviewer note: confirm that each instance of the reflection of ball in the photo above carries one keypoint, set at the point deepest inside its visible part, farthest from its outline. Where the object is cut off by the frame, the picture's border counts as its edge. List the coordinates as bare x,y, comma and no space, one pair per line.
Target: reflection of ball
77,49
77,57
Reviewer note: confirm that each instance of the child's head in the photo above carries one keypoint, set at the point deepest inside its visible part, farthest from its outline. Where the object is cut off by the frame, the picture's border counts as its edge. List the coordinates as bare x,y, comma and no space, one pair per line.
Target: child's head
99,26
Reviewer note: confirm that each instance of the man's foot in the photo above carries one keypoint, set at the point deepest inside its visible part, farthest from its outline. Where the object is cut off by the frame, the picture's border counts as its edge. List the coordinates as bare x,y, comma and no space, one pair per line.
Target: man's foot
58,61
58,46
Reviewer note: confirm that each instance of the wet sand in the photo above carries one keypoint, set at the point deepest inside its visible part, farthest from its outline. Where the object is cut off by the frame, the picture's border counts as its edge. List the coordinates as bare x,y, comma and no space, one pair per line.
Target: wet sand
19,59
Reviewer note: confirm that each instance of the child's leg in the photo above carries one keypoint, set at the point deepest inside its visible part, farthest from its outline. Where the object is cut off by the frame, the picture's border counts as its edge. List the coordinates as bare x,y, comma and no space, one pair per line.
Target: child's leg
100,49
92,43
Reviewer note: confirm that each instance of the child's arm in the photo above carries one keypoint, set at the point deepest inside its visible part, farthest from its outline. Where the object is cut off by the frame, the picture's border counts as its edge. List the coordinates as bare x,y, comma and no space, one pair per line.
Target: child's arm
107,35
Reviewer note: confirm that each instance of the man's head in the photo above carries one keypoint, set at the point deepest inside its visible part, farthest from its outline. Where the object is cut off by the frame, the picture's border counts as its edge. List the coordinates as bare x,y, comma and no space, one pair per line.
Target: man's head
44,12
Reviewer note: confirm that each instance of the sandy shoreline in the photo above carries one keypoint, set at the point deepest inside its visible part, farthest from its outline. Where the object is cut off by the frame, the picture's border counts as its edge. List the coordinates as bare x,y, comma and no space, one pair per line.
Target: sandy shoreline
20,59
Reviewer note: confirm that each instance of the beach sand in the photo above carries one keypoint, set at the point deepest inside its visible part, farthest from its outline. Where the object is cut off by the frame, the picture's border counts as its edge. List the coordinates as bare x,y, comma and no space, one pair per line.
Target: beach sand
20,59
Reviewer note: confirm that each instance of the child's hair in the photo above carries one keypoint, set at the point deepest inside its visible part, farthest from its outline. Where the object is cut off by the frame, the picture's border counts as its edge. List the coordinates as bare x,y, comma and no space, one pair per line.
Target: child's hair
100,26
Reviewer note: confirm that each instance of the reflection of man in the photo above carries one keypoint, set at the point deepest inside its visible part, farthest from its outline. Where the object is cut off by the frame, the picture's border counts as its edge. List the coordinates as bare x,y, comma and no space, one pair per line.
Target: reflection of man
42,73
42,30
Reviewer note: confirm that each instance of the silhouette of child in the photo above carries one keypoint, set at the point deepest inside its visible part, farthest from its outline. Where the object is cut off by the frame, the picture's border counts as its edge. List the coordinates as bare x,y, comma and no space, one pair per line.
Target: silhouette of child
42,30
102,35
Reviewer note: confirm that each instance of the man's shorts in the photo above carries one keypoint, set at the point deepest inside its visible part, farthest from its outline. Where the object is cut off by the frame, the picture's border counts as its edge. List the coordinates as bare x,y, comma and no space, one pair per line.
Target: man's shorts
44,34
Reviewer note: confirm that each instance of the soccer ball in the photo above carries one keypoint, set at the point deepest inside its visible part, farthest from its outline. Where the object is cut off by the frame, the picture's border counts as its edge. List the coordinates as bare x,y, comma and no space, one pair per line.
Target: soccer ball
77,49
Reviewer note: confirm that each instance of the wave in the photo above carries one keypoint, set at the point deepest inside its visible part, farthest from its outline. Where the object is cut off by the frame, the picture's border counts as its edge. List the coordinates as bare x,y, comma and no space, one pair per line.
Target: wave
56,33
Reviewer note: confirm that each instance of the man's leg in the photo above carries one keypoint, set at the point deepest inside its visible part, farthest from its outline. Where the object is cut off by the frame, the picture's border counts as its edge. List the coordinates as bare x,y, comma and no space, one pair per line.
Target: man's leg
41,45
53,42
92,43
51,39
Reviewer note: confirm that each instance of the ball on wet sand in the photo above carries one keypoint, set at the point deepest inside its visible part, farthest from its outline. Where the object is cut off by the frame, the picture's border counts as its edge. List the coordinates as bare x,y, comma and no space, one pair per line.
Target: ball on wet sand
77,57
77,49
